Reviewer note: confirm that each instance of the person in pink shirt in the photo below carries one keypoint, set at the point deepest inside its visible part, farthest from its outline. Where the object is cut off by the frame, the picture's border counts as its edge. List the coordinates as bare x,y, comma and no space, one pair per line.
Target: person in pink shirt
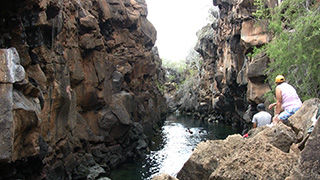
288,101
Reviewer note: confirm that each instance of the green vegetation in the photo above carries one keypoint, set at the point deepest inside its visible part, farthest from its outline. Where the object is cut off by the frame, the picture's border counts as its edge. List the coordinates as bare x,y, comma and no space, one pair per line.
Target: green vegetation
295,48
262,11
182,73
179,66
256,50
174,74
160,86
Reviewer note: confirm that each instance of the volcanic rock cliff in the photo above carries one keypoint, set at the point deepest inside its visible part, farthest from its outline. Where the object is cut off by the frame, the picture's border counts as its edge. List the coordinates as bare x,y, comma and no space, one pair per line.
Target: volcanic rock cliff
78,86
233,83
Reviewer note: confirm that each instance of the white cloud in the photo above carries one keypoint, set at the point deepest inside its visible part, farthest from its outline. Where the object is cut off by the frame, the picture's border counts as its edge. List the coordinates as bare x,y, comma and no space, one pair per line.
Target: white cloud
177,22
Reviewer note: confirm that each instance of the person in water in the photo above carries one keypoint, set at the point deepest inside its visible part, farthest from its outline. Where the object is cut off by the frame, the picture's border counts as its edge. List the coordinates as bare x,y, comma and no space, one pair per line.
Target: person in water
262,117
288,101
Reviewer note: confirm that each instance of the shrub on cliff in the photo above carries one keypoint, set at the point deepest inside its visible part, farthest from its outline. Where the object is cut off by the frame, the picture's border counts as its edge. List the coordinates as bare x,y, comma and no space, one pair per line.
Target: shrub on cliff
184,75
295,48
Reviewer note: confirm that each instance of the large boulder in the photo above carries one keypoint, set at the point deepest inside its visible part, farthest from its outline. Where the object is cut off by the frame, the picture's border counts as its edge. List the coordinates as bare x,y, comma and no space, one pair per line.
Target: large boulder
308,167
305,117
308,123
235,157
207,156
163,177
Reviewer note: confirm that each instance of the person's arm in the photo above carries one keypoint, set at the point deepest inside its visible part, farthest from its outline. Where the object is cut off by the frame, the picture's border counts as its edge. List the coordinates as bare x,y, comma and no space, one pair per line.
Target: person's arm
272,105
254,121
279,100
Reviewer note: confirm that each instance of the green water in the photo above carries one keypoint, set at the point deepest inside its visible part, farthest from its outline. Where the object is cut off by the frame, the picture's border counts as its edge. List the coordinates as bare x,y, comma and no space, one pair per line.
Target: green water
172,148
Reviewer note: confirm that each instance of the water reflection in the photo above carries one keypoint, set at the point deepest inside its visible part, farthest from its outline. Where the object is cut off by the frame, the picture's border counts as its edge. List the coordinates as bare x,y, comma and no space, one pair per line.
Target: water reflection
172,148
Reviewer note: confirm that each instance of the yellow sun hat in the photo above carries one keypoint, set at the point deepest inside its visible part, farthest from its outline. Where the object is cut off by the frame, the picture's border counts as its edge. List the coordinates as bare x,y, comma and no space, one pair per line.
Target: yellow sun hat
280,79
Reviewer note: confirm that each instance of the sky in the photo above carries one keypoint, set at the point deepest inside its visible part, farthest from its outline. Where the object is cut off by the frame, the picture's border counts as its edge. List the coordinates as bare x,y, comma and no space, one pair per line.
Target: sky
177,22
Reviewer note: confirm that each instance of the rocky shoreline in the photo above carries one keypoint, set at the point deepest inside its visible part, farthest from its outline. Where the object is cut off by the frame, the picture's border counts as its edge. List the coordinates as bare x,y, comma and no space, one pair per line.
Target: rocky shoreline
284,151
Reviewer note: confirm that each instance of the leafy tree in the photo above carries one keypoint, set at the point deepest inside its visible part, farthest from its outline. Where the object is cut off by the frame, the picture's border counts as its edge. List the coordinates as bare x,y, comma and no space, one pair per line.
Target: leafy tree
178,66
262,11
295,48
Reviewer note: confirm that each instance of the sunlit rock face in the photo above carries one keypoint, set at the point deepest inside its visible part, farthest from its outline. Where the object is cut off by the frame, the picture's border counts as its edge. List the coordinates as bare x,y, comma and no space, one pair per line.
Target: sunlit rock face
232,81
80,95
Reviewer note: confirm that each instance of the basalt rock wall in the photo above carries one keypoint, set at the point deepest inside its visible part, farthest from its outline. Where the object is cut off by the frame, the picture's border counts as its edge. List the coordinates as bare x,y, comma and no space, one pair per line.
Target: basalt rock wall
78,86
233,82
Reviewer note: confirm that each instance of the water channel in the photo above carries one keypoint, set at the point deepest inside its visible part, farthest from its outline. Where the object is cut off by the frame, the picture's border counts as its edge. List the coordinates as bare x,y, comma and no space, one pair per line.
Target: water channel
171,148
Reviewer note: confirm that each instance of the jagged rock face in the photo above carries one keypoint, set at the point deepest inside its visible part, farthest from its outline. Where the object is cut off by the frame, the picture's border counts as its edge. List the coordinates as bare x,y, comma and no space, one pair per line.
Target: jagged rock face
18,117
306,117
231,80
88,96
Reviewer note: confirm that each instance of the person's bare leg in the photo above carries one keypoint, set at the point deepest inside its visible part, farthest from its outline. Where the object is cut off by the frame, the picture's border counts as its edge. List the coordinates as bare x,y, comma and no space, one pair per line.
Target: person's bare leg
275,120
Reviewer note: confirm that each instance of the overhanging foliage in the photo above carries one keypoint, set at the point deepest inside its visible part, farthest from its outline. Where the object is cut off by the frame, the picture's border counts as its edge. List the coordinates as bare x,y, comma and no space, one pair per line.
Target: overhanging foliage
295,48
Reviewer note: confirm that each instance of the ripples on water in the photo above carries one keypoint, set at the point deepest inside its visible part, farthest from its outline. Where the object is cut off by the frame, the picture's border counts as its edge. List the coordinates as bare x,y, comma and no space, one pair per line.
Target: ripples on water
172,148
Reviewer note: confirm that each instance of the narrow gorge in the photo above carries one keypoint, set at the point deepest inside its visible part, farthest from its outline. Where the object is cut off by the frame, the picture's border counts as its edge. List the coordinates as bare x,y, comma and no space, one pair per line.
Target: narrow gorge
229,83
81,90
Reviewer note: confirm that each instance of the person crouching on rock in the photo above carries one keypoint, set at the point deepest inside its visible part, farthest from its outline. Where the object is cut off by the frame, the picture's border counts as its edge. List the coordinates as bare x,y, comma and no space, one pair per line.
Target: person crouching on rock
287,100
262,117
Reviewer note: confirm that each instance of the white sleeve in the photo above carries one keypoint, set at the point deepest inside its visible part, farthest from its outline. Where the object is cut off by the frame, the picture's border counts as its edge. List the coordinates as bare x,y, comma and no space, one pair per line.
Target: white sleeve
254,119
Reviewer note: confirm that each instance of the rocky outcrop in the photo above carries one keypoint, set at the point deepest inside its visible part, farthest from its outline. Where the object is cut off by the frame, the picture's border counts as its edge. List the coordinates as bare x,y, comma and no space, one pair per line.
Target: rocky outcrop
238,158
308,164
277,152
233,82
19,114
78,82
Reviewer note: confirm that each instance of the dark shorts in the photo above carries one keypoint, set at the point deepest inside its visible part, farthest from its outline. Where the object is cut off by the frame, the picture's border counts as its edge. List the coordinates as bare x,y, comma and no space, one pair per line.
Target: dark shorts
284,115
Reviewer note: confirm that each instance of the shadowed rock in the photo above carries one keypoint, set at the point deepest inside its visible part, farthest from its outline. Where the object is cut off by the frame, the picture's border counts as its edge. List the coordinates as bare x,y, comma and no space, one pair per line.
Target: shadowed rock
87,79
